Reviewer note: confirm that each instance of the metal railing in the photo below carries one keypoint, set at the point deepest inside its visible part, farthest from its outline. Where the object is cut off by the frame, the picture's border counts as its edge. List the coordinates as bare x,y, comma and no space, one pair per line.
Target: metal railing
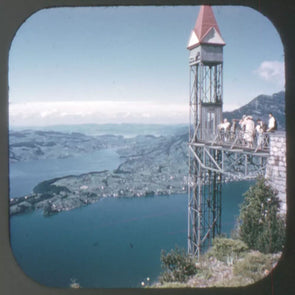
257,142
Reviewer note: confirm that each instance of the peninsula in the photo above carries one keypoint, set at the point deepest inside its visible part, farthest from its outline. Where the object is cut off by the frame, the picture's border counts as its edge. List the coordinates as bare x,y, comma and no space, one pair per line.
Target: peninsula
152,166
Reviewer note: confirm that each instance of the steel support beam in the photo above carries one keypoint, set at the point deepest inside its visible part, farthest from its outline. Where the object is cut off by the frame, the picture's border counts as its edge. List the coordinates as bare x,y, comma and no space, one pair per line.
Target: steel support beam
213,159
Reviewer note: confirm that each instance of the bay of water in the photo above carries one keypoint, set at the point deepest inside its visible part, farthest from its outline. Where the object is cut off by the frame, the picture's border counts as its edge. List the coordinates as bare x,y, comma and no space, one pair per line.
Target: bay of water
23,176
113,243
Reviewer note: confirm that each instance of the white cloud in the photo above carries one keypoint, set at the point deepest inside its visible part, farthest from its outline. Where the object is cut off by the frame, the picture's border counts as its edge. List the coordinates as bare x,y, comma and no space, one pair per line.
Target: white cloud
272,71
82,112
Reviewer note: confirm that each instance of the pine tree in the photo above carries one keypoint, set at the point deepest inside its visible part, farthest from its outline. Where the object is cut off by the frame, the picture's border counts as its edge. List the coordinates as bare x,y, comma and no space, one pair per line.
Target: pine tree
261,226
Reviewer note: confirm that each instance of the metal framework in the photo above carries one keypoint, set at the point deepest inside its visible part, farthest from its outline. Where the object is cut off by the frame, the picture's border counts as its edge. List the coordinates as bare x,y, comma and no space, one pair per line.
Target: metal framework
214,156
216,153
204,203
205,99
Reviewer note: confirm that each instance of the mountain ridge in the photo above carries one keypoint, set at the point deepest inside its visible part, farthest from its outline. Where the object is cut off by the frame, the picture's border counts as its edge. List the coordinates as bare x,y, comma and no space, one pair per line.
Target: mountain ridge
260,106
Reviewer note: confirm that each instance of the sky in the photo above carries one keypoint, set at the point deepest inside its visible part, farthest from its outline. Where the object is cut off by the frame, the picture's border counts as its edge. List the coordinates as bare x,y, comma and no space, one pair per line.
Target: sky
130,64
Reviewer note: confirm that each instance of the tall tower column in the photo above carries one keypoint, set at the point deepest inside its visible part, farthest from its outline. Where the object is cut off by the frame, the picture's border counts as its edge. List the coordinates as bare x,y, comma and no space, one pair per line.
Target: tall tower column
206,99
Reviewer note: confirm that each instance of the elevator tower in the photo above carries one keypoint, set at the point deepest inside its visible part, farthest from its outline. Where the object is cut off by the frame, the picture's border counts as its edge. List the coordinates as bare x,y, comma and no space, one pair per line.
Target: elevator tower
206,99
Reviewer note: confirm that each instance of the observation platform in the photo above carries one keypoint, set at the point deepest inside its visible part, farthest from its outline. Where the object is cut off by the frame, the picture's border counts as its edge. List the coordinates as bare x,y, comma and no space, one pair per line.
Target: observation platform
237,156
240,140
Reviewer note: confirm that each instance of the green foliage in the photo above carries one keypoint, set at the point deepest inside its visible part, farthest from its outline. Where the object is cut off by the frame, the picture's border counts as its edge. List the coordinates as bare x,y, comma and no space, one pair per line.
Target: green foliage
48,187
261,226
177,266
254,266
226,250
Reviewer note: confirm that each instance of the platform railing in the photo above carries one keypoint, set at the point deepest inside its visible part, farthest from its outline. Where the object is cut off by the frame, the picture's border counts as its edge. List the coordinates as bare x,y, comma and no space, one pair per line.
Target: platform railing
257,142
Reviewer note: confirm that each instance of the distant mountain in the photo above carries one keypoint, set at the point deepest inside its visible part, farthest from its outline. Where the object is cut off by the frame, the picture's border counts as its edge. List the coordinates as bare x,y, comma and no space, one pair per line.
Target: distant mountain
260,107
55,142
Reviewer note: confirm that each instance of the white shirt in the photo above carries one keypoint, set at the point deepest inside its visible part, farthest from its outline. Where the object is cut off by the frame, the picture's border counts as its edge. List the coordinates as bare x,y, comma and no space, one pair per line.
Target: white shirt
271,122
250,126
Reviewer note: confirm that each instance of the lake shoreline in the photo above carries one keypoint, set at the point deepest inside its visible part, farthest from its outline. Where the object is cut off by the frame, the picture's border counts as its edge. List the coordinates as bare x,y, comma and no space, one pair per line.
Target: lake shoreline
70,192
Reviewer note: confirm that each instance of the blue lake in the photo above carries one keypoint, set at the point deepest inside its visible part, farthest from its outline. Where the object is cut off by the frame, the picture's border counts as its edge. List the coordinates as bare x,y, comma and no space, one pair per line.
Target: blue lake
112,243
23,176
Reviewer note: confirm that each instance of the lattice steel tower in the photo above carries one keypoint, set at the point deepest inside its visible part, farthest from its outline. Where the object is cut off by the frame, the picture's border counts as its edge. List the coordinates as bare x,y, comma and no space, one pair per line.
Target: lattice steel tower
206,99
214,153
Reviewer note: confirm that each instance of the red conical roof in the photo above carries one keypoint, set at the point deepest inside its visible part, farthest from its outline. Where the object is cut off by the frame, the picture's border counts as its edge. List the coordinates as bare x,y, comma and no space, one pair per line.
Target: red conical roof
205,23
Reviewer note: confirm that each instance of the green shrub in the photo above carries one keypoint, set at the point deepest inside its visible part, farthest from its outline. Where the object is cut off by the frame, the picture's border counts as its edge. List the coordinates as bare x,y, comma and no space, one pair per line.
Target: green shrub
225,249
261,226
177,266
254,266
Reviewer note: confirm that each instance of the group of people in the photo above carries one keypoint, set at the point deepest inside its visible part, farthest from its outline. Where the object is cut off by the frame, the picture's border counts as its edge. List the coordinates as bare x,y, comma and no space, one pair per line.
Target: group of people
247,129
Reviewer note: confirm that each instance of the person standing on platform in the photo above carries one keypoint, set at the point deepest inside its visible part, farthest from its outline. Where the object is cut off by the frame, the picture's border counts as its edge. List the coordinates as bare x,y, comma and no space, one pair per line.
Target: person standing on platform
259,133
249,131
272,123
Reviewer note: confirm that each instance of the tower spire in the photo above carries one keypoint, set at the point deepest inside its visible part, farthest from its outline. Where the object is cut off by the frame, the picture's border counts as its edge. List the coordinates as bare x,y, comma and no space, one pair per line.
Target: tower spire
206,30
